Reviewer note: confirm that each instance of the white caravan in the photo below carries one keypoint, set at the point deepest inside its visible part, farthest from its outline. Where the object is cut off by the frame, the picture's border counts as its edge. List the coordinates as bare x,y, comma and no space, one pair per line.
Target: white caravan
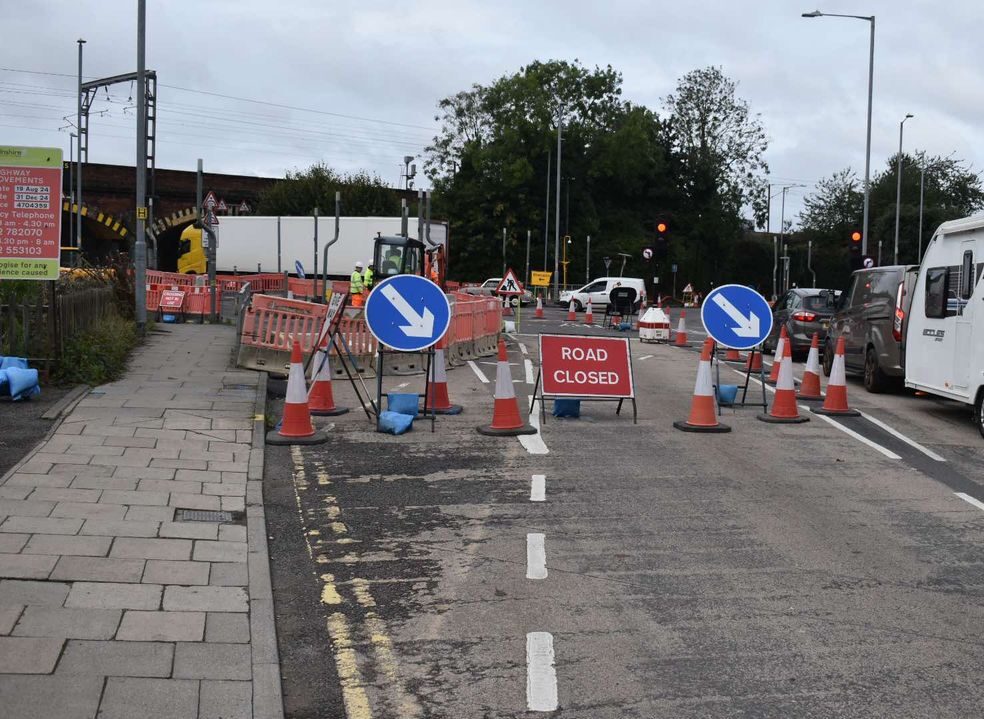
944,348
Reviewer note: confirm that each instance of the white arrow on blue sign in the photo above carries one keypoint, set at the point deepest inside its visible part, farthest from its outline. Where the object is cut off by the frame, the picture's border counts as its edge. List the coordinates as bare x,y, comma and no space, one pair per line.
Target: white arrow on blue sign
407,313
736,316
299,269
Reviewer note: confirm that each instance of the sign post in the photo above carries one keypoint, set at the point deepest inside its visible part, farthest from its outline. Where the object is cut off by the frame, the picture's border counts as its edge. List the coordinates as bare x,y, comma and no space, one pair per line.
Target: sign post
585,367
406,313
30,212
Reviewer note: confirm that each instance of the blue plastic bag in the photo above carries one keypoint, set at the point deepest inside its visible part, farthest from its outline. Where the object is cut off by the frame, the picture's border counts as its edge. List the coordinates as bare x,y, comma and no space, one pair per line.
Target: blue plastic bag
395,422
8,362
403,403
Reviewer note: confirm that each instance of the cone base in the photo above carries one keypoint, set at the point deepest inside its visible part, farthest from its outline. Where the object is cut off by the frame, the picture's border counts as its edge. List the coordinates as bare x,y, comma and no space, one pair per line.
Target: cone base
494,432
684,426
836,412
782,420
809,397
534,317
450,409
739,360
278,439
333,412
771,382
685,345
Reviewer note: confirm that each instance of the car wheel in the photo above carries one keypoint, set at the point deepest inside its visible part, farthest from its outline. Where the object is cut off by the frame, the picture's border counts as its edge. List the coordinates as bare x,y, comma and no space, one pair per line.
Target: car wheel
875,380
578,307
828,359
979,412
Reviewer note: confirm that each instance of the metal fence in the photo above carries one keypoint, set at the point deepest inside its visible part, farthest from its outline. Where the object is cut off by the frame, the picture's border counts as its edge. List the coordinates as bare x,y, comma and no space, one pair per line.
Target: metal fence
29,328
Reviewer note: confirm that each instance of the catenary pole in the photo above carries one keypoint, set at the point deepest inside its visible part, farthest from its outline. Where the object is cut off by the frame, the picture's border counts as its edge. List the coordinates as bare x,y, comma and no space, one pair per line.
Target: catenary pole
140,242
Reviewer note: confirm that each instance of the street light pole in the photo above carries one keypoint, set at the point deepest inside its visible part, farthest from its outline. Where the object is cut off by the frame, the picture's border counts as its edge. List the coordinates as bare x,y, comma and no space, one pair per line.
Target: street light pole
78,165
546,213
898,188
922,180
560,132
140,242
867,147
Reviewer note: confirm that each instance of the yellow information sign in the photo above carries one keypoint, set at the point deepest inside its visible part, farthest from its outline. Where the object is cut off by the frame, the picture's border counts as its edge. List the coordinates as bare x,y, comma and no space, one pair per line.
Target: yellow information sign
141,213
541,279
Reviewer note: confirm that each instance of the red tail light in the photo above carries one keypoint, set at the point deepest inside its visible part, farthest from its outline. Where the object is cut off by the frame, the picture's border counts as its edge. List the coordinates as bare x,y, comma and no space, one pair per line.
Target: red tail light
899,313
805,316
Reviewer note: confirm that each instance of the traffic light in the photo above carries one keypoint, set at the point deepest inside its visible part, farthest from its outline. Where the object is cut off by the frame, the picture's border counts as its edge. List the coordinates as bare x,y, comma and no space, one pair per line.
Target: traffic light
662,244
854,251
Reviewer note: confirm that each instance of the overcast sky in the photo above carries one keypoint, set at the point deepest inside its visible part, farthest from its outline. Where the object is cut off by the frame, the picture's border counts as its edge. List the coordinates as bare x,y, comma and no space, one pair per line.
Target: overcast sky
374,72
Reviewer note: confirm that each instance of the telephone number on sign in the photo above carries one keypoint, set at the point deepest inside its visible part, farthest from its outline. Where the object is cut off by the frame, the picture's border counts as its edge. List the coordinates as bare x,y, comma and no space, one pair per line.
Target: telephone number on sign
11,251
22,232
23,205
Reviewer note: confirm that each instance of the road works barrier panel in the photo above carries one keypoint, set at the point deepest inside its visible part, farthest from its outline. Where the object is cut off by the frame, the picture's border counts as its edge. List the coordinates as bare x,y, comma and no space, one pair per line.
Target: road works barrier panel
270,323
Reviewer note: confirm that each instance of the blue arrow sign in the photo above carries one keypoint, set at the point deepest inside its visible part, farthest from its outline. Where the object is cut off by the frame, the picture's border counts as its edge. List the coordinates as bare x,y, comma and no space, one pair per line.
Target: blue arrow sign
407,313
736,316
299,268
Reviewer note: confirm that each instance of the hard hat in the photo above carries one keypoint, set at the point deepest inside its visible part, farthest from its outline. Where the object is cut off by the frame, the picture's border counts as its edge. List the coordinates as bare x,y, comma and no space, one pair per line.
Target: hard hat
359,264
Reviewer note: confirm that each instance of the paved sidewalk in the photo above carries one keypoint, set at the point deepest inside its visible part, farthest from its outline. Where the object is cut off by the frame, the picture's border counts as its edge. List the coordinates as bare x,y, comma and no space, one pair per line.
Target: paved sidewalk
109,602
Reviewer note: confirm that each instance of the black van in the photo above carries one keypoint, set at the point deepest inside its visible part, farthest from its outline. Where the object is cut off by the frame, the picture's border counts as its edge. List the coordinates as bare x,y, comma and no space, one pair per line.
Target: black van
871,318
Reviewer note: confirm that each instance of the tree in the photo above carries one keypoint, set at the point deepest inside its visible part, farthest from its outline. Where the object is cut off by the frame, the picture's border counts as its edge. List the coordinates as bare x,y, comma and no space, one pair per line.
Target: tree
363,195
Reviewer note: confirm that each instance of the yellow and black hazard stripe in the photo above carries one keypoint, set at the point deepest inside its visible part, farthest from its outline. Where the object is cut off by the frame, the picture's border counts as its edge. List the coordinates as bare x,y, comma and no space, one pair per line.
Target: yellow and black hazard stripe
102,218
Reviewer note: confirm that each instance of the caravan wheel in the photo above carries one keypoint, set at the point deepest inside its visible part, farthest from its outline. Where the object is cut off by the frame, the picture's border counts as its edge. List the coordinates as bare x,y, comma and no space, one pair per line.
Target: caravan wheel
979,412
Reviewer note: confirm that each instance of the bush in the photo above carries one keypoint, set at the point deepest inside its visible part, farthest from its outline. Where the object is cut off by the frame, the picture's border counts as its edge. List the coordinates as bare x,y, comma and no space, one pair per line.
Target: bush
98,355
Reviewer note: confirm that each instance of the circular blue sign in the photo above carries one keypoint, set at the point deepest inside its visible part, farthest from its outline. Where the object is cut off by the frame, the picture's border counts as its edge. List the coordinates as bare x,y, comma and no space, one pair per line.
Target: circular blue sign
736,316
407,312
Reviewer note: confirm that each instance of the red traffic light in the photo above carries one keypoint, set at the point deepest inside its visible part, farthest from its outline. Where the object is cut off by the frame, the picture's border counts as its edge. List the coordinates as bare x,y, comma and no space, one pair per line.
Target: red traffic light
661,227
855,236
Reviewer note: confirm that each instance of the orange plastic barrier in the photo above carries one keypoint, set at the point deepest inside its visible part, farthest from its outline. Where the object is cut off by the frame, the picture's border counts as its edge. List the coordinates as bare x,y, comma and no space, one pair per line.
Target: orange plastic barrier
198,301
274,322
155,277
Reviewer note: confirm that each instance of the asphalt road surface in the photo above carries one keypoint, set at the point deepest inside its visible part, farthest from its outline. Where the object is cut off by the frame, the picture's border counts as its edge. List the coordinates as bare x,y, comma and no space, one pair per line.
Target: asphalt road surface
605,569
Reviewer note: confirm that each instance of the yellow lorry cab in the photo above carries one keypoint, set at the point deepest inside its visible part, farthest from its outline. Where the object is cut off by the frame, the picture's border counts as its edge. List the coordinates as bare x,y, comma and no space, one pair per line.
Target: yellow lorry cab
191,254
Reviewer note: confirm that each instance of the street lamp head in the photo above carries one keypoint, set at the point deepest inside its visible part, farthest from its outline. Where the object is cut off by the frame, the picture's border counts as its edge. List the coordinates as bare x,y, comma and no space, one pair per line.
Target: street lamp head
80,41
815,13
908,115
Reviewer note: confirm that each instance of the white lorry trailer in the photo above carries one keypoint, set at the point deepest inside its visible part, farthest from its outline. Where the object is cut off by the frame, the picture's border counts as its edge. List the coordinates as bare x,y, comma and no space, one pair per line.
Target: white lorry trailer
944,342
245,243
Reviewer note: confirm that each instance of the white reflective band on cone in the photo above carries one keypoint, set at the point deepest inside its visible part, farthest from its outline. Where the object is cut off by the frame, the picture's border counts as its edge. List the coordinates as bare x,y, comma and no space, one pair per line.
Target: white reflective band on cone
296,388
503,382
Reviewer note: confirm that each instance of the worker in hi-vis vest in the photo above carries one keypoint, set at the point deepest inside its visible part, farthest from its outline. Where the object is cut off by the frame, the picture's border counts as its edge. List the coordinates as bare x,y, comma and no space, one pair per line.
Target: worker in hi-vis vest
356,285
367,278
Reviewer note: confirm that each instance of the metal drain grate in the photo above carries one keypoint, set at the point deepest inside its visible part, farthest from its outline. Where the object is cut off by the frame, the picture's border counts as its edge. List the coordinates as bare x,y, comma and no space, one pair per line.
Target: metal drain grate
202,515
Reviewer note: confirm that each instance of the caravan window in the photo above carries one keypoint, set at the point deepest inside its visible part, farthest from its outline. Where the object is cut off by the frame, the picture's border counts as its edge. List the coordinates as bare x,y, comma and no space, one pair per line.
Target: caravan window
967,276
936,292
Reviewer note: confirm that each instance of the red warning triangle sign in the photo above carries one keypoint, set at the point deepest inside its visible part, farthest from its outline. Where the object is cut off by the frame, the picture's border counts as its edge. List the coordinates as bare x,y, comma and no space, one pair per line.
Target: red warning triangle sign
510,284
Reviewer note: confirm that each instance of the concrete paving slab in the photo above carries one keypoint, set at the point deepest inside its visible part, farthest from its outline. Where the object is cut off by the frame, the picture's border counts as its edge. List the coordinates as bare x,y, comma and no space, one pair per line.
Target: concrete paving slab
98,569
114,595
29,655
48,697
212,661
41,621
155,626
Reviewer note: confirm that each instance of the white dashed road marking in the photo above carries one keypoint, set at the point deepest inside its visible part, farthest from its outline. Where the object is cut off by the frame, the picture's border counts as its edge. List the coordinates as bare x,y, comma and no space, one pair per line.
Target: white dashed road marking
478,372
538,488
536,556
970,500
541,676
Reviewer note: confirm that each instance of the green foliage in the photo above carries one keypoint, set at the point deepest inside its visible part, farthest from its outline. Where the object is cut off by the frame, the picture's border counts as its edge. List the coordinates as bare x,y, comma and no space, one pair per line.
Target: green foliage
623,168
98,355
363,195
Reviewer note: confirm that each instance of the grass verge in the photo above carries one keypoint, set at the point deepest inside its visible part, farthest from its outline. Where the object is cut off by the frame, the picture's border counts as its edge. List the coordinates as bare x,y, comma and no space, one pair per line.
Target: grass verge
98,355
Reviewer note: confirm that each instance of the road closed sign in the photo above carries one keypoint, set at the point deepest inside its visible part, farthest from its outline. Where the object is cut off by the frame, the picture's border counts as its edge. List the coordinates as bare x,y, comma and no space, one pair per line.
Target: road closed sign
586,366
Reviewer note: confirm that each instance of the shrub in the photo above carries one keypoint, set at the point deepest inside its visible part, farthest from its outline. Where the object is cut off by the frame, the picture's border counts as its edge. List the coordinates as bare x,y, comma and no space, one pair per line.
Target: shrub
99,354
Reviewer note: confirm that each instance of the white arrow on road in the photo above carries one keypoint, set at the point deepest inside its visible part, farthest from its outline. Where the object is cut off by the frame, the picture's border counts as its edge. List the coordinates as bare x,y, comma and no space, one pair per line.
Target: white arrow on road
747,326
420,325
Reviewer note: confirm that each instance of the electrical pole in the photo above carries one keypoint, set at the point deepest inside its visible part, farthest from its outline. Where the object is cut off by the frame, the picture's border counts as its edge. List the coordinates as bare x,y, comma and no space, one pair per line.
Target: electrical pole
503,251
560,132
528,233
587,263
78,168
140,242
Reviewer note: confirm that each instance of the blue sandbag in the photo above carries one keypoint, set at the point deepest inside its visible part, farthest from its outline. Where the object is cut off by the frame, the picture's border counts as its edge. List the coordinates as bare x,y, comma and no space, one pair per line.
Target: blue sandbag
726,394
395,422
567,408
8,362
4,389
23,383
403,403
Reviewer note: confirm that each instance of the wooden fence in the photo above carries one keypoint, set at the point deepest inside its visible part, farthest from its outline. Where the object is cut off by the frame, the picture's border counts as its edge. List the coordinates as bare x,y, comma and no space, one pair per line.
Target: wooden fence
30,329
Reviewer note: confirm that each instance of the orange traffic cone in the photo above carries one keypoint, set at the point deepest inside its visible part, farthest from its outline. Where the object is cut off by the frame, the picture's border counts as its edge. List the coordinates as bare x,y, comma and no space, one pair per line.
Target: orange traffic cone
506,421
703,417
588,314
681,333
538,315
571,312
438,401
776,358
296,427
733,355
784,408
321,400
754,362
836,400
810,386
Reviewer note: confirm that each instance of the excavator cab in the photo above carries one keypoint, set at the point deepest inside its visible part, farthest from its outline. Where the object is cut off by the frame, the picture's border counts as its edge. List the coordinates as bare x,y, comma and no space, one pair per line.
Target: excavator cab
398,256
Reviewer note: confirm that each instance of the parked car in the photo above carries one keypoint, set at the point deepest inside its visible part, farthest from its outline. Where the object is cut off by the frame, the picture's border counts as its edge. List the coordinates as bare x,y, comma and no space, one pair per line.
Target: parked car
871,316
944,337
599,290
803,311
489,287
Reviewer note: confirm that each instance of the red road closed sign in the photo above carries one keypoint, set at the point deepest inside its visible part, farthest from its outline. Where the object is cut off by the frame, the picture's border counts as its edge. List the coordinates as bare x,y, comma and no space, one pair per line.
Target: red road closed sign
172,300
586,366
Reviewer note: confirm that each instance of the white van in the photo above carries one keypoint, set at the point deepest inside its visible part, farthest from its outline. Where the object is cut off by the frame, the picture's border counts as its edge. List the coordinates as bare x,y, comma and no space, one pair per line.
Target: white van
944,341
599,290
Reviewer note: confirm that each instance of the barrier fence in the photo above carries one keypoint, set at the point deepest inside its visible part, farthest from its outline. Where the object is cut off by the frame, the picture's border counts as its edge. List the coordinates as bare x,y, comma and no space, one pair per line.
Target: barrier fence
271,324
